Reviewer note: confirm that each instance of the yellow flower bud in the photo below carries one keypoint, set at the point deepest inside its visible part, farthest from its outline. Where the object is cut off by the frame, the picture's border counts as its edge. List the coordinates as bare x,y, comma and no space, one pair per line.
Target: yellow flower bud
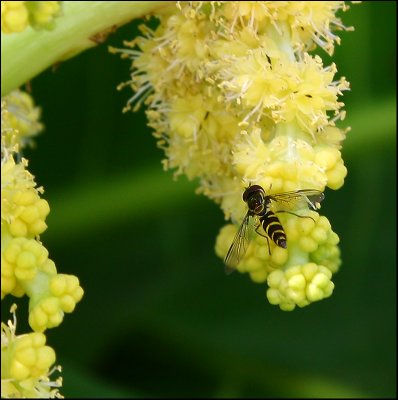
14,16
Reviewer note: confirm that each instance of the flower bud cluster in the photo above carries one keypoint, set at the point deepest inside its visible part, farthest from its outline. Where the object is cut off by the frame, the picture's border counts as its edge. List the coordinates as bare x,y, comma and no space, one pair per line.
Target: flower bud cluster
17,15
26,268
26,363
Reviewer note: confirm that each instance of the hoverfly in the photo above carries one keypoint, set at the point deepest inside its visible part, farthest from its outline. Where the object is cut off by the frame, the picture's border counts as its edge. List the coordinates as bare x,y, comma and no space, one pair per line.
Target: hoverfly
259,206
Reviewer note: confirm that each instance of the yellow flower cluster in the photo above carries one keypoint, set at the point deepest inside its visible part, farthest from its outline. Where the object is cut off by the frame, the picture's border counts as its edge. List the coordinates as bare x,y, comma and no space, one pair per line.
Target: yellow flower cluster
290,274
17,15
26,363
235,99
25,264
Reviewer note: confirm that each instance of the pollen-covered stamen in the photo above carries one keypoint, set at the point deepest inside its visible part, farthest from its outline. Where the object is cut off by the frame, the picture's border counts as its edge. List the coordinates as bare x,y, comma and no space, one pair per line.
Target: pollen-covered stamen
143,92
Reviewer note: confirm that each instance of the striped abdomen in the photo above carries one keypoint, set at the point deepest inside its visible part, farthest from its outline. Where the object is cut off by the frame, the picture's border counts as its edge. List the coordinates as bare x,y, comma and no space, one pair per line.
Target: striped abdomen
273,228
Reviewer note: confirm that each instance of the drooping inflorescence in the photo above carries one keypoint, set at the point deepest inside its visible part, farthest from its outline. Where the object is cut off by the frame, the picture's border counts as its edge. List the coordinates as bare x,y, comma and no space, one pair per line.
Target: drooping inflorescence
26,268
236,98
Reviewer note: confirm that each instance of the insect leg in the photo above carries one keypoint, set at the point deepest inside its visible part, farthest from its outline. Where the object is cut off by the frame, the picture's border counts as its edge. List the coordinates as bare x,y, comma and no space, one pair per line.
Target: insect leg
289,212
269,248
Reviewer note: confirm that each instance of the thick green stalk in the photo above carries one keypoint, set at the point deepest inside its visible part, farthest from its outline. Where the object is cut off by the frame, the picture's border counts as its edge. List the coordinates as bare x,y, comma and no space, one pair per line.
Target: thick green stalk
81,26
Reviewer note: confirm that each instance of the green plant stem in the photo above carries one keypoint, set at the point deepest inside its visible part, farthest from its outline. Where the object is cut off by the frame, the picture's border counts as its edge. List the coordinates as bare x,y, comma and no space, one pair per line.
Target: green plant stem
81,26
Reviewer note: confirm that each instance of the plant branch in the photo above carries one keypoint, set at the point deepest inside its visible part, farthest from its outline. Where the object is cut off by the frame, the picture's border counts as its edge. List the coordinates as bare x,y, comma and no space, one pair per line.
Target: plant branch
82,25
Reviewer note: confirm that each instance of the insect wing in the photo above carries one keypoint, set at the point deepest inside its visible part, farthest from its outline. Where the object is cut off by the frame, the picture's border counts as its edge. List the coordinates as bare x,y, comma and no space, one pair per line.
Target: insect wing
298,199
239,246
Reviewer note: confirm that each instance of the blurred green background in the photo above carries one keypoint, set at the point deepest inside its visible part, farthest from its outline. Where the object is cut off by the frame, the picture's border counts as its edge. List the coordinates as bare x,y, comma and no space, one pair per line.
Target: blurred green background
159,318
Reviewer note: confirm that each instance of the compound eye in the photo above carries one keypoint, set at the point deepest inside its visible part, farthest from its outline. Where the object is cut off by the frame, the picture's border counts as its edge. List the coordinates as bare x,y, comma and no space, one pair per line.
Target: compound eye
255,202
